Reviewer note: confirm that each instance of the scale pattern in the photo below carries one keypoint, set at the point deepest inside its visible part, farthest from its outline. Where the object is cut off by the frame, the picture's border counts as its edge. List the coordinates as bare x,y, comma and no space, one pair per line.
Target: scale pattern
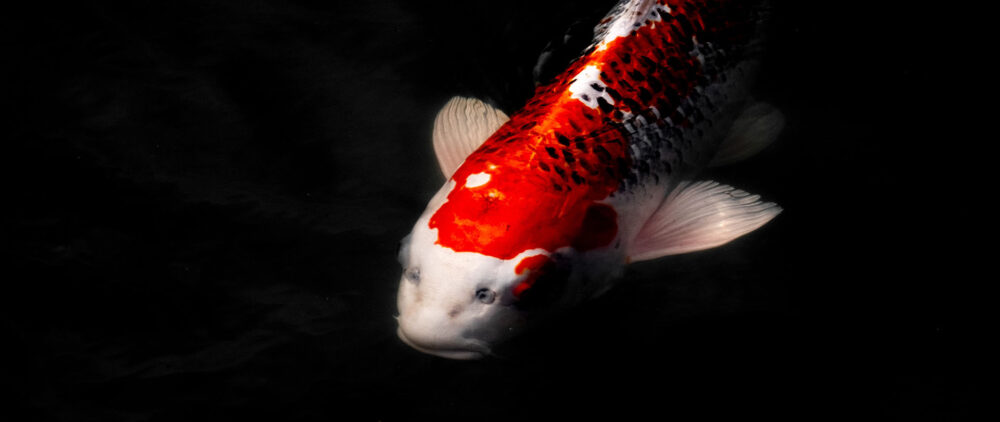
645,101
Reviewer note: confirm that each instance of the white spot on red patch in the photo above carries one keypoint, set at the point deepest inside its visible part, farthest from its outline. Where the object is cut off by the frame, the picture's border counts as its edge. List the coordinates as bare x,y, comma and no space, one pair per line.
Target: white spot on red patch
583,89
477,180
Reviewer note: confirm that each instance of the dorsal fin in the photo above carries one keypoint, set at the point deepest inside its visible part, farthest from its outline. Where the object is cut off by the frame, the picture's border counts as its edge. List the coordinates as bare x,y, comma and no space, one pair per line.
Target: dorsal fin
462,125
697,216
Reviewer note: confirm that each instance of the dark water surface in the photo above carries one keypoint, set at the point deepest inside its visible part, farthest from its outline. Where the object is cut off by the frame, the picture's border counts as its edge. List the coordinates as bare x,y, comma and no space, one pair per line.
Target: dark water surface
205,200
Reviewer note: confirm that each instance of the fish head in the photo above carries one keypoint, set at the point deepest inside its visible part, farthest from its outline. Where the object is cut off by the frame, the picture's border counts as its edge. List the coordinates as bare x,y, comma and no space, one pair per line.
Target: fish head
462,304
456,305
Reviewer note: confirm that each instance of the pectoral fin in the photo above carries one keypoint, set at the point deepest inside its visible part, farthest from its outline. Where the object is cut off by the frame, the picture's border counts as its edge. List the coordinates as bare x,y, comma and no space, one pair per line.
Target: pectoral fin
462,125
697,216
757,127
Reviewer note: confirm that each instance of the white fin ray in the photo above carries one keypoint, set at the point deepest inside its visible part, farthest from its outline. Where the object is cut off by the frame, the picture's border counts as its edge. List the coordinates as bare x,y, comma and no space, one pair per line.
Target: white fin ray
757,127
462,125
697,216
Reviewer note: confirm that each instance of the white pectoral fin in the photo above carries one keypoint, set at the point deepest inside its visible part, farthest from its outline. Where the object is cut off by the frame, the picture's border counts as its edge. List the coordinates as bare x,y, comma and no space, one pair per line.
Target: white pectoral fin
757,127
697,216
462,125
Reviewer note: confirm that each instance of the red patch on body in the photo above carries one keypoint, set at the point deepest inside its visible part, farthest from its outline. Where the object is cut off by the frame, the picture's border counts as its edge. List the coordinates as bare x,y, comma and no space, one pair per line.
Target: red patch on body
556,158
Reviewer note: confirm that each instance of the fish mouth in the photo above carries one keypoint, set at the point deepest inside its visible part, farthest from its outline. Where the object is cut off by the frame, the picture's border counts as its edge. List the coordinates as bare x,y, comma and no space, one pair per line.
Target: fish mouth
475,350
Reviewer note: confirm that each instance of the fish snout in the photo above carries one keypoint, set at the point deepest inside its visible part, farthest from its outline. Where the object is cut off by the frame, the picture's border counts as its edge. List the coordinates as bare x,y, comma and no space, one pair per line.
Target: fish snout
437,336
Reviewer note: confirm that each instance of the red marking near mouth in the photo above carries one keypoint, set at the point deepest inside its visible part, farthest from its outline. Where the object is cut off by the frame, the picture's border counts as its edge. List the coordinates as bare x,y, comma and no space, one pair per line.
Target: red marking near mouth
556,159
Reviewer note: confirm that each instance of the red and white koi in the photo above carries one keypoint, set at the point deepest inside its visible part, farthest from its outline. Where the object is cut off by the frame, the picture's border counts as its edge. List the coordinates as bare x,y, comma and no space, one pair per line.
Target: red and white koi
543,210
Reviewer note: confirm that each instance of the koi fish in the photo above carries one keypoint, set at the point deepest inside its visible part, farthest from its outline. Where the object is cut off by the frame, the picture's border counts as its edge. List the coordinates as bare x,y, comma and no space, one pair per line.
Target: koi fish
543,210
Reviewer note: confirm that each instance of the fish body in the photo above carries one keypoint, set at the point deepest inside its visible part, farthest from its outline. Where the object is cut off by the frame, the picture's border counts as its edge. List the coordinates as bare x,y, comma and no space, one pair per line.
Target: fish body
543,210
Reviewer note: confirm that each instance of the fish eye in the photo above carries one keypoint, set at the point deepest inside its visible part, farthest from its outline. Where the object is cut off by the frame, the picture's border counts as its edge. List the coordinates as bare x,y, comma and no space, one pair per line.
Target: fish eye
412,274
486,296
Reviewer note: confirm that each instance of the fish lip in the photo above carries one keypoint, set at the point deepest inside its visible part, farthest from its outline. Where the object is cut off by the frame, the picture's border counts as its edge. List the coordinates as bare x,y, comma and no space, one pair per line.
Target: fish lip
460,354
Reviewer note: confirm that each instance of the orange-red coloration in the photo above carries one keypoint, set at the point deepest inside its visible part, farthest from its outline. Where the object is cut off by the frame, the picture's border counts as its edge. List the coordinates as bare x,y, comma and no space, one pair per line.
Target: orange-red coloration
533,263
556,159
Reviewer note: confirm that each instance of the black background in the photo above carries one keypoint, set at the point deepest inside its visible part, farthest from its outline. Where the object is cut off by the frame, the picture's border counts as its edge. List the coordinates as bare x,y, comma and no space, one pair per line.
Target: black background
204,200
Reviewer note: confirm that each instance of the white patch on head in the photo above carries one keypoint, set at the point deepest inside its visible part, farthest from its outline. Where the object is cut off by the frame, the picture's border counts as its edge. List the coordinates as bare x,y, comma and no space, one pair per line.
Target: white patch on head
583,89
477,180
439,312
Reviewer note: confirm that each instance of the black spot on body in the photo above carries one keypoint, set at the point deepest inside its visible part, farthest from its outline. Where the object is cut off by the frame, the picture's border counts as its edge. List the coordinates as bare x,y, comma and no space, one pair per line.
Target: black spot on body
568,156
647,62
543,166
528,125
585,97
685,24
573,125
562,140
614,94
660,55
576,178
634,106
597,87
604,105
655,85
552,152
637,75
559,170
645,96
